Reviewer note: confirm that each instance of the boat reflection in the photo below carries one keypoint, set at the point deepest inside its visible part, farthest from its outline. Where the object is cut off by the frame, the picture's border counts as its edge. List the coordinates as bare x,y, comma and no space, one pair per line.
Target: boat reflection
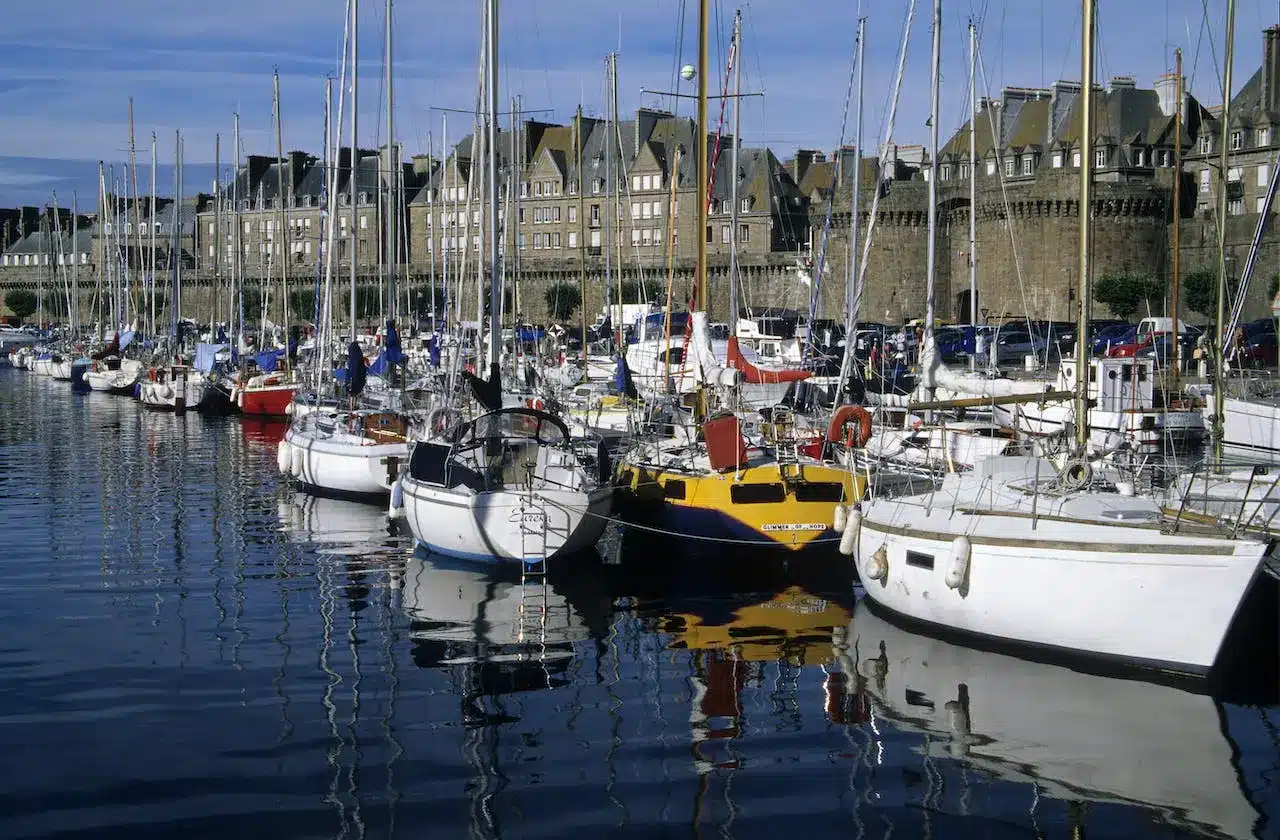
1075,736
337,526
511,635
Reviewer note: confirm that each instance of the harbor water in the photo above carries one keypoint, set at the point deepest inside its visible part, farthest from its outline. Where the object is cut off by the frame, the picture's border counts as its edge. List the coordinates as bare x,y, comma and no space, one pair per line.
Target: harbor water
191,648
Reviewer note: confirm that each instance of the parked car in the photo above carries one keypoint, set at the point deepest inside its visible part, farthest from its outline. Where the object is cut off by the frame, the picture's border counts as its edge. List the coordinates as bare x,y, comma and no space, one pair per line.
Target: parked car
1112,335
1156,343
1259,348
1014,341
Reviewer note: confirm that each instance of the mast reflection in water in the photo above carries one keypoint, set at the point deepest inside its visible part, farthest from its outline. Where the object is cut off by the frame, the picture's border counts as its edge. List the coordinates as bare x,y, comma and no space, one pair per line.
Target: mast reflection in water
192,648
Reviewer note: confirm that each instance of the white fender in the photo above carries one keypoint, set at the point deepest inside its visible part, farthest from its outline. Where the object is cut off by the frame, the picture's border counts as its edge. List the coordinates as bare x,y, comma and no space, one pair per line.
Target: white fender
395,509
877,564
299,461
284,458
841,517
852,528
958,562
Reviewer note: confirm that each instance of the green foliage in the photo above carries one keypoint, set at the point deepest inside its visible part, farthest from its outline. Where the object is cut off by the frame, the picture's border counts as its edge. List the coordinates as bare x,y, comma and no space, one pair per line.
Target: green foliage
633,292
563,300
1200,290
1273,288
302,305
1128,292
22,302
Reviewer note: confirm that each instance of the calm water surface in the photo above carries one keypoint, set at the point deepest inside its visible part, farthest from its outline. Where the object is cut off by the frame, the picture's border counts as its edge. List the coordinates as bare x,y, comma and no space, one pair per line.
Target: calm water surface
188,648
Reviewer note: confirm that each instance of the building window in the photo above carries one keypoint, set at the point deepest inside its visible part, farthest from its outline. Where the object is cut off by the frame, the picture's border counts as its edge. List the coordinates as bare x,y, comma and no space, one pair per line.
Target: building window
657,209
597,185
573,213
1008,168
1204,180
944,173
635,183
1235,173
1057,160
573,188
635,209
1264,175
537,188
1235,207
520,215
1075,159
1100,158
555,240
725,234
744,233
595,239
991,167
1028,165
364,222
635,237
595,215
1262,137
964,171
708,234
573,239
745,205
646,237
1205,145
646,210
555,213
523,240
1237,141
647,182
1262,204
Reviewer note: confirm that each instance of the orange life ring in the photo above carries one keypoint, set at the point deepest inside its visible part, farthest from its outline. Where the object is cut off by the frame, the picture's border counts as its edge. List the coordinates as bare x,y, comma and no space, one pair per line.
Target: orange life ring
532,403
841,429
271,380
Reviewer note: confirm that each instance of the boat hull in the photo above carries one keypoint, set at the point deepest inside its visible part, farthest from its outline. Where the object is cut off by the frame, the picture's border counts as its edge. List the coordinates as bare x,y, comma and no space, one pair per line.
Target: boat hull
269,401
343,465
1133,596
1149,430
502,525
1252,428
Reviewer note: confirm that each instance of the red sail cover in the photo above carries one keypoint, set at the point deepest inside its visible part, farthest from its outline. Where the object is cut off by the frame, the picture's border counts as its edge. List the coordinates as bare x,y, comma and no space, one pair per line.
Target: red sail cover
756,376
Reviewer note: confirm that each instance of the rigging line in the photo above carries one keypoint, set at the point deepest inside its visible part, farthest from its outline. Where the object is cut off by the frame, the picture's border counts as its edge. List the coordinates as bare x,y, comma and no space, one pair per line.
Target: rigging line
678,56
1004,193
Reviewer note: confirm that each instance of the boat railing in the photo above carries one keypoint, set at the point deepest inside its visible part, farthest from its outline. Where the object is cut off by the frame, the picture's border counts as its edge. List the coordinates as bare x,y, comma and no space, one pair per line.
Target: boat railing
1236,499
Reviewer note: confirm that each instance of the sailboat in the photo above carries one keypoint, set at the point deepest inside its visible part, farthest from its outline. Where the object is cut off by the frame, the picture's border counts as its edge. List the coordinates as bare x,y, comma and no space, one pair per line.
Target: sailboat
510,484
1062,733
703,481
351,451
1022,552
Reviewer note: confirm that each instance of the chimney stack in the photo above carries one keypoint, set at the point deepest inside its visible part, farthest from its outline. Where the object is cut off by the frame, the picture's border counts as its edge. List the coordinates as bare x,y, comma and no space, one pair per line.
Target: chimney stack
804,159
1271,69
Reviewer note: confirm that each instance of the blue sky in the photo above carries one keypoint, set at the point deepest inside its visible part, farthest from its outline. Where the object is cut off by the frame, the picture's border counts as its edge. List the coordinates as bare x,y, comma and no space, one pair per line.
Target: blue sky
66,78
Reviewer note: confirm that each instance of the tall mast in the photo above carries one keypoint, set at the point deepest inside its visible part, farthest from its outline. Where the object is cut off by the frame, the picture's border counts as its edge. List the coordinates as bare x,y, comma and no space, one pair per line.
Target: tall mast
355,150
1081,409
282,205
700,218
735,55
133,177
105,268
75,265
931,275
1219,340
973,194
237,273
582,263
393,165
175,243
217,231
855,216
513,190
610,214
1175,368
151,226
433,244
491,184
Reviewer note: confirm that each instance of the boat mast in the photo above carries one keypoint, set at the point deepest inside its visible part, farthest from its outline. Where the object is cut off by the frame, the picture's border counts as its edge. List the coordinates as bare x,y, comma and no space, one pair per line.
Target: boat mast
75,265
1081,408
355,151
391,217
973,195
217,232
283,205
491,186
931,274
1219,340
1176,367
610,214
151,225
582,264
700,300
174,242
735,56
137,217
237,273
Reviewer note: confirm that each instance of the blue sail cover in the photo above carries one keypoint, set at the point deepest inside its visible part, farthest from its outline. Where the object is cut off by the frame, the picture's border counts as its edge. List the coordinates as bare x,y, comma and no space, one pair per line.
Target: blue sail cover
355,369
126,338
267,361
390,354
433,350
206,355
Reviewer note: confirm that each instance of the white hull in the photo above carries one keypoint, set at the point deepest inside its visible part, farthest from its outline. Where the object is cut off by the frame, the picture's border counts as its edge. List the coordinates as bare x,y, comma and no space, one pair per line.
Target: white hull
1071,734
114,380
1149,429
1252,428
955,446
1085,573
60,371
504,525
163,396
342,463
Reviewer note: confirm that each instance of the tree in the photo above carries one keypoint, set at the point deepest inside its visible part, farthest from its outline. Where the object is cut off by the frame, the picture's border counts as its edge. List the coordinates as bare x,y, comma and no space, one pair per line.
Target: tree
22,302
632,292
302,305
1200,290
1127,292
562,300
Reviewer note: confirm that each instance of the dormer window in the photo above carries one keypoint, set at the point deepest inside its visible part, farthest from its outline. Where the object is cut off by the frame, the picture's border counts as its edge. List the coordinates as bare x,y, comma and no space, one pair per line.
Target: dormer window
1262,137
1028,164
1057,160
1008,168
991,167
944,173
1237,141
1205,145
1100,158
364,198
964,171
745,206
597,185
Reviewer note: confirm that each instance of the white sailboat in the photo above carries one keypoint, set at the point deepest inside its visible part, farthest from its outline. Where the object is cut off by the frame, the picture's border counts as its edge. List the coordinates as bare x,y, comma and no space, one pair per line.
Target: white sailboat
510,484
1017,551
